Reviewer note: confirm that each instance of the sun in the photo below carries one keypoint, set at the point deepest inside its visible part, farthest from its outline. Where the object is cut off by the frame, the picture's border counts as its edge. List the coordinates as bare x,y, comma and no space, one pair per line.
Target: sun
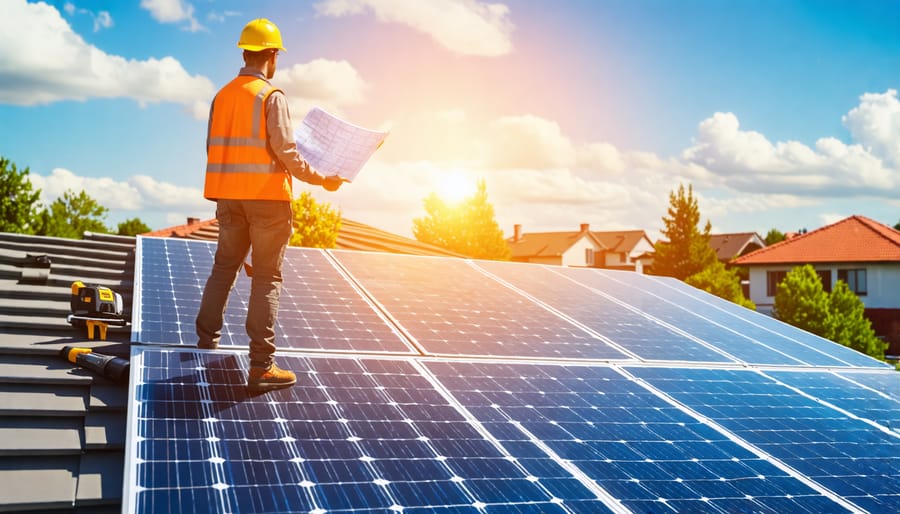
455,187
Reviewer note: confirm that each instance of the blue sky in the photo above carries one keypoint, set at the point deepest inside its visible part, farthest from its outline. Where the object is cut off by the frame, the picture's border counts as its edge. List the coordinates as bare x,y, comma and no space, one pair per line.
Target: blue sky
781,114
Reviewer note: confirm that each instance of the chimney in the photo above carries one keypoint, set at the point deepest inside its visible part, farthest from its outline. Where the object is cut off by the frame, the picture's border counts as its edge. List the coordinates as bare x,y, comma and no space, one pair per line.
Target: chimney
585,227
517,233
191,220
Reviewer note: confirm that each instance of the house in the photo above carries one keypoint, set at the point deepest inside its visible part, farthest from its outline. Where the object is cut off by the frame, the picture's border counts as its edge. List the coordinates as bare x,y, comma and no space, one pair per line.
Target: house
731,246
860,251
352,235
624,250
629,250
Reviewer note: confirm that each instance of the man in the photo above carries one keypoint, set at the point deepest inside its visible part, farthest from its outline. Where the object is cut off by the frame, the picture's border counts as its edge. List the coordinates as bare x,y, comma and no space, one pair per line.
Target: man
251,156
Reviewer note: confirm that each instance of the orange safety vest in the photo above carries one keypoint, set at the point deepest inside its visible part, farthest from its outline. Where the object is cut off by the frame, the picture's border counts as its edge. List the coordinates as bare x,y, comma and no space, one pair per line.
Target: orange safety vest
238,163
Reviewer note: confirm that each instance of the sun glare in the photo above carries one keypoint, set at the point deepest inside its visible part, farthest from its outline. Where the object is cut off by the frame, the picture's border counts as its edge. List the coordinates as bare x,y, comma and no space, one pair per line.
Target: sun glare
455,187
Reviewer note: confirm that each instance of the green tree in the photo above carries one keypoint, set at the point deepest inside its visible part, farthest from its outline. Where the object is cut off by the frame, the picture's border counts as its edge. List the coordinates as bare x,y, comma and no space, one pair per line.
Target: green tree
316,225
72,215
19,207
800,300
468,228
774,236
722,282
897,226
132,227
839,316
686,250
850,325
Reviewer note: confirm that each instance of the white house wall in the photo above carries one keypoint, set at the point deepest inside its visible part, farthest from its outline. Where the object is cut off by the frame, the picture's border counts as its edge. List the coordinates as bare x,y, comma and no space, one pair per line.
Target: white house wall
882,284
574,256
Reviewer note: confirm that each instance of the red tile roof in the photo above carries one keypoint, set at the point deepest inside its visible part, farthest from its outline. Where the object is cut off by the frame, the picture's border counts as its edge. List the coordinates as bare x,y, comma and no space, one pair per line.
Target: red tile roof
853,239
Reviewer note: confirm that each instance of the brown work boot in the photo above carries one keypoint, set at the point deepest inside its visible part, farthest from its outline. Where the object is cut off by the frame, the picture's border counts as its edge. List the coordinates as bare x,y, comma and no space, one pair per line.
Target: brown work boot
261,380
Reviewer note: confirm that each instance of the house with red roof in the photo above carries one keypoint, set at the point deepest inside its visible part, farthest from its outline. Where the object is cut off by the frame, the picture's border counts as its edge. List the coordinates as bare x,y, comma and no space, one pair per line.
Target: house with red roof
860,251
628,250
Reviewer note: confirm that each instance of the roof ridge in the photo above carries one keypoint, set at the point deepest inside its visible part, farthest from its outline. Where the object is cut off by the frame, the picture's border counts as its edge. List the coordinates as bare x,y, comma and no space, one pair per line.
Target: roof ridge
879,228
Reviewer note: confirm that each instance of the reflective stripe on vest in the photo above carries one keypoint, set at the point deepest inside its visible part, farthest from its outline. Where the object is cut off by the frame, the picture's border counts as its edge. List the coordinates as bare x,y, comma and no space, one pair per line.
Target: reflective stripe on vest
239,165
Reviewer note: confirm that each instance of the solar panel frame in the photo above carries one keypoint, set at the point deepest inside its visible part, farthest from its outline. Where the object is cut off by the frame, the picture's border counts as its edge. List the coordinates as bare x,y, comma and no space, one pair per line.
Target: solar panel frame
320,307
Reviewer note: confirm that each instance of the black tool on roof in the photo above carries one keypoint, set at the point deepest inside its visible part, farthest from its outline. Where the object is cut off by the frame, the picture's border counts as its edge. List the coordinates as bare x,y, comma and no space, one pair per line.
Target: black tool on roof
94,305
113,368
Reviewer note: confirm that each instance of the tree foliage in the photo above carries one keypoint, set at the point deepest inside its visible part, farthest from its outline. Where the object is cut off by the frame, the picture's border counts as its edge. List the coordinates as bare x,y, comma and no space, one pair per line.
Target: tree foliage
132,227
801,301
72,215
722,282
316,225
774,236
897,226
19,202
467,227
850,325
686,250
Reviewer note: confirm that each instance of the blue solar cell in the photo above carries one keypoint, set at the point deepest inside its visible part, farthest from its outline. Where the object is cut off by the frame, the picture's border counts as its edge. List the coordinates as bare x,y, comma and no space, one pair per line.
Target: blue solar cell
451,308
336,441
873,396
632,330
848,456
319,309
649,466
798,343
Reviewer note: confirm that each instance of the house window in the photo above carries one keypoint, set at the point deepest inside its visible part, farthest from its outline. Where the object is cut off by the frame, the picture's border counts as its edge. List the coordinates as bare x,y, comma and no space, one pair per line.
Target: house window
855,279
588,256
773,278
825,277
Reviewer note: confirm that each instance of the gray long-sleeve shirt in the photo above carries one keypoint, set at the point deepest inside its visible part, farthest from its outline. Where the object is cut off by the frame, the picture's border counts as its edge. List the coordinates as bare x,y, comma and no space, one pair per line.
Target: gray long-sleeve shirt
280,131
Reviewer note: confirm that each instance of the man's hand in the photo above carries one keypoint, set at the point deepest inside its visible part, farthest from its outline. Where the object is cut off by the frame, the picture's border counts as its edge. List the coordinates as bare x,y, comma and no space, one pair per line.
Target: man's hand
332,182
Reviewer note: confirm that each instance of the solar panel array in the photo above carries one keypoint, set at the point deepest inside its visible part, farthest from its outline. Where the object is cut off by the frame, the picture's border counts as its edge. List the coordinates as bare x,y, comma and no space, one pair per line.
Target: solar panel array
444,385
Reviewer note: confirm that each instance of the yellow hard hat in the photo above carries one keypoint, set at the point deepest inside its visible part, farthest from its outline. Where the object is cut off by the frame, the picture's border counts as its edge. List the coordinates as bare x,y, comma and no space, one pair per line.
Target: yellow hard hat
260,34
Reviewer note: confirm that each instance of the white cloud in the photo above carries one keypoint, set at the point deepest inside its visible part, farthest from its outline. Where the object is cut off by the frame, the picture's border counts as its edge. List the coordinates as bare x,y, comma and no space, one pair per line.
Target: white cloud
102,20
748,161
138,193
469,27
172,11
529,142
42,61
327,84
875,124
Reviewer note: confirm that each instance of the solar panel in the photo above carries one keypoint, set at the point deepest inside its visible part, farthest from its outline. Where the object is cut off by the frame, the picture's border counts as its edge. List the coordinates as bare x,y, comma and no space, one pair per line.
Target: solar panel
360,435
644,451
436,385
800,344
624,325
450,308
749,336
855,460
319,308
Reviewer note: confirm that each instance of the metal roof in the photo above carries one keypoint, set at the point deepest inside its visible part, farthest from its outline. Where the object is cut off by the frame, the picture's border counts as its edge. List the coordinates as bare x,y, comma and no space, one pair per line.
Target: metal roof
61,426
